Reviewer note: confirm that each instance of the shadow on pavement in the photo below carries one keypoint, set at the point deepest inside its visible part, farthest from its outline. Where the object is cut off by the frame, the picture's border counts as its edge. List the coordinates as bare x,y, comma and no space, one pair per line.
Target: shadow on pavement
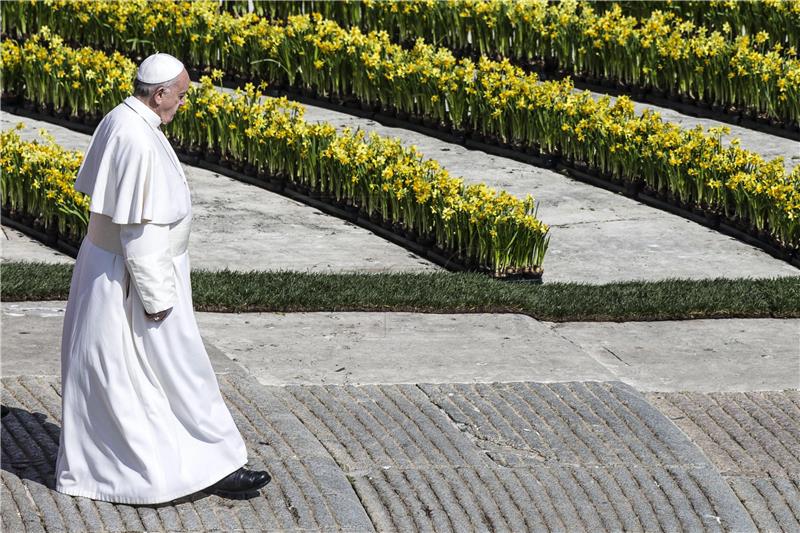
29,445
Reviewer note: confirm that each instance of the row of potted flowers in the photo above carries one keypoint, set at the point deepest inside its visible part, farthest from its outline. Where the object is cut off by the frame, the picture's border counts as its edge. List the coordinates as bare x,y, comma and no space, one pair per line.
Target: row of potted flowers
661,52
497,101
36,185
268,139
600,43
80,84
780,19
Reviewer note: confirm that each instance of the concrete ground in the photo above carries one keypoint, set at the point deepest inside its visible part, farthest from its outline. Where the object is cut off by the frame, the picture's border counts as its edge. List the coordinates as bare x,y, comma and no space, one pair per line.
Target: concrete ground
401,422
594,231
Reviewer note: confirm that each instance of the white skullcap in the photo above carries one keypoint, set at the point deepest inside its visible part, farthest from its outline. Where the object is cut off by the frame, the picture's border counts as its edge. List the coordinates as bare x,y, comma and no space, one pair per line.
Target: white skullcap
159,68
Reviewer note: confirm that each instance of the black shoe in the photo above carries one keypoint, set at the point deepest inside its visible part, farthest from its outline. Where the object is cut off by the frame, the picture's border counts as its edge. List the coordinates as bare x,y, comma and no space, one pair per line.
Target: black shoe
240,482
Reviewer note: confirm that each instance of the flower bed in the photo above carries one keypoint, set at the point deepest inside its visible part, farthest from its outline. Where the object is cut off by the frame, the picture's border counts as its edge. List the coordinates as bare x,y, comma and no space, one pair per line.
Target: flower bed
661,52
600,43
495,102
780,19
79,84
36,187
267,139
391,184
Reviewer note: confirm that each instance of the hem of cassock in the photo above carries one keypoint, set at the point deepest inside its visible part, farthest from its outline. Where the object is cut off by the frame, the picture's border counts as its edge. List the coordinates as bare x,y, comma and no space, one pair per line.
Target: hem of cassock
149,500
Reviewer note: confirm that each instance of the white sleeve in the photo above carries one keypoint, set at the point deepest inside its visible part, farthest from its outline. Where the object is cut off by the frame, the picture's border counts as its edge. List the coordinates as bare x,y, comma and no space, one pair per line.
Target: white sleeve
148,257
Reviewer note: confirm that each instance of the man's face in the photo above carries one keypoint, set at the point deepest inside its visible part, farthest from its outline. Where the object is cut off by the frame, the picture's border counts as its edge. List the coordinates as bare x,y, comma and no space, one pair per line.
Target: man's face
169,99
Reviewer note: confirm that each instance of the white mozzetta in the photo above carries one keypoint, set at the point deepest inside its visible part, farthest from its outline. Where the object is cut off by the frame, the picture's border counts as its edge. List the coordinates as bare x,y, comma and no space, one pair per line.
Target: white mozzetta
130,170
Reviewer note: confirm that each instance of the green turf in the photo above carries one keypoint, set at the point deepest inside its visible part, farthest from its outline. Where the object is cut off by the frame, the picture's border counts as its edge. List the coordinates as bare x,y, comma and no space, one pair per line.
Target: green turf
450,293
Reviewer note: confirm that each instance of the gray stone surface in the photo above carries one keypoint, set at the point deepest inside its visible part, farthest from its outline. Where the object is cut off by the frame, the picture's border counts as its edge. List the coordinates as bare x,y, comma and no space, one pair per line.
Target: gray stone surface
16,246
418,466
357,348
392,458
372,348
753,439
31,338
773,503
695,355
744,434
594,232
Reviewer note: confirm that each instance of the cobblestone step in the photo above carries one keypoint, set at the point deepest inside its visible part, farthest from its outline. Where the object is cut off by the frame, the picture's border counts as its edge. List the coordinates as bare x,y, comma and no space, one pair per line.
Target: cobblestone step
753,439
516,456
576,456
308,490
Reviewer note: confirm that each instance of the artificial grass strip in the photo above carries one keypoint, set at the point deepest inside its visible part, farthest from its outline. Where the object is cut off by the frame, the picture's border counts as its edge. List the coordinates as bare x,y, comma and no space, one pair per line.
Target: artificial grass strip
283,291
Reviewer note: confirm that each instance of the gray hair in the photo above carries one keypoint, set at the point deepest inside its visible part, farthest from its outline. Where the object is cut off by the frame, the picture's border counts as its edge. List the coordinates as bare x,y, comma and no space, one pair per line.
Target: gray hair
146,90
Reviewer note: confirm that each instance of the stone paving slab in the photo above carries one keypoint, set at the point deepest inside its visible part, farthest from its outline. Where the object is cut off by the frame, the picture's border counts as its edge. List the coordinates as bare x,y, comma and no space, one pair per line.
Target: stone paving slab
361,348
405,457
773,503
744,434
370,348
539,498
589,423
344,348
16,246
694,355
753,439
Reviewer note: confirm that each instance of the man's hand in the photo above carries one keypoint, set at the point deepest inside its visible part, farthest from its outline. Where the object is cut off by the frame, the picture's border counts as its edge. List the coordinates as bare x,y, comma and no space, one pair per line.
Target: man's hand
158,317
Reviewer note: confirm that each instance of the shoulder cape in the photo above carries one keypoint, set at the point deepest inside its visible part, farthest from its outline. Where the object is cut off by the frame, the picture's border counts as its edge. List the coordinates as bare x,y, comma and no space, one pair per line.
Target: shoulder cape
128,176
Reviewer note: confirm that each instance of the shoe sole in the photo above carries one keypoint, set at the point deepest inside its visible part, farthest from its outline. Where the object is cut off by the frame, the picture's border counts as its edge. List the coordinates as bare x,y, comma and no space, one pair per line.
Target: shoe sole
242,495
239,494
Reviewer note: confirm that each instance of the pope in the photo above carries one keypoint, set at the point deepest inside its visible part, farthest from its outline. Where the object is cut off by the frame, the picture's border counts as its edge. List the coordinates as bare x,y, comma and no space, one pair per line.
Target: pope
143,419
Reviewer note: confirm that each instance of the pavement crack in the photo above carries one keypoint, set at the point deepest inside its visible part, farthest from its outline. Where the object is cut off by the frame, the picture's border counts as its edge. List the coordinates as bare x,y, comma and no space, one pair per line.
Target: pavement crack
492,447
604,221
616,356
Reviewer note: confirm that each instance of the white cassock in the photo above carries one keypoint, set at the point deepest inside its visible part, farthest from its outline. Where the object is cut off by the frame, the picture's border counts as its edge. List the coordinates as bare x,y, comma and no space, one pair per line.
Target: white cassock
143,420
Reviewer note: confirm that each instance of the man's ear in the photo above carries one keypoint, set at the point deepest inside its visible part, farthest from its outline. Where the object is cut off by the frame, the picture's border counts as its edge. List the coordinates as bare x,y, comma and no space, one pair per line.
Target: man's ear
159,95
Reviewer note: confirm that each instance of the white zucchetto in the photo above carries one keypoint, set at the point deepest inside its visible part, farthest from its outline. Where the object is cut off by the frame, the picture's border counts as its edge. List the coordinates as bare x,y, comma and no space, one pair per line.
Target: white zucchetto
159,68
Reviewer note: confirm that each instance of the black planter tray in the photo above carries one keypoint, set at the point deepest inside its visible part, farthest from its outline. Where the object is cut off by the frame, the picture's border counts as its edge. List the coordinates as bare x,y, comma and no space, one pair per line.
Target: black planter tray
669,207
790,256
80,127
51,240
586,177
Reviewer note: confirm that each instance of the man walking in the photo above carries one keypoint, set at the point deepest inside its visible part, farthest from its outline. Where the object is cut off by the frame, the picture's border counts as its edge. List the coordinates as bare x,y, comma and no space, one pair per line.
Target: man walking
143,418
